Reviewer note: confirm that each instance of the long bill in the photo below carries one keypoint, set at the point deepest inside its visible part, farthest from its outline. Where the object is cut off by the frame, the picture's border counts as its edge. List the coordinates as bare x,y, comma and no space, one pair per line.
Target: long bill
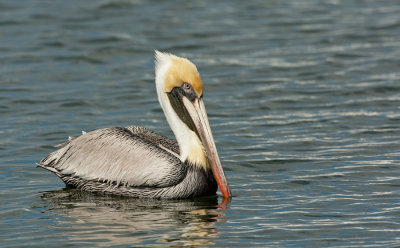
198,114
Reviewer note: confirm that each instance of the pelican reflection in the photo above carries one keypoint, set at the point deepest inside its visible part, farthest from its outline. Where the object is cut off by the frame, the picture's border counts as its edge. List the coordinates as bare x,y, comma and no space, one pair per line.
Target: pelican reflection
109,220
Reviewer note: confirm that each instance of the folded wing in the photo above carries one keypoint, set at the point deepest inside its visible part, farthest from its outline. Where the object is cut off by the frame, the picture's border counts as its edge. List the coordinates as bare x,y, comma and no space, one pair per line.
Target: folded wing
131,156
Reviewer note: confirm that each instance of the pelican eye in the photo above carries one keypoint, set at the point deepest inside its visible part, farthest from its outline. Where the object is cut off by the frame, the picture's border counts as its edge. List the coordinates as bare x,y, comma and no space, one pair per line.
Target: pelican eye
186,90
186,86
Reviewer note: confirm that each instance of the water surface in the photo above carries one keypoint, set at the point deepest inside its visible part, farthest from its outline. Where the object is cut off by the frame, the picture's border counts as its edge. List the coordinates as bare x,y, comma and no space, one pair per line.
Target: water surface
303,98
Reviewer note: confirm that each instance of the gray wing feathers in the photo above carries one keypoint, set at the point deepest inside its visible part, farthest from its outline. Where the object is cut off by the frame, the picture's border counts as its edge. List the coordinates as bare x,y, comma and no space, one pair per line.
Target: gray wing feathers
129,156
154,138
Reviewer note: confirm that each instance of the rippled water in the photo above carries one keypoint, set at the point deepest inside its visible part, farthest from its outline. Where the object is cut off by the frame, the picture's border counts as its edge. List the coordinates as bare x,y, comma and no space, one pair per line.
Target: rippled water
303,98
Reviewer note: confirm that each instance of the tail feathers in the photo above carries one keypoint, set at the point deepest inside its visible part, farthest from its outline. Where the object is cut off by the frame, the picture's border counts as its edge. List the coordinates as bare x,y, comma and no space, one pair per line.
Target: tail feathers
49,161
52,169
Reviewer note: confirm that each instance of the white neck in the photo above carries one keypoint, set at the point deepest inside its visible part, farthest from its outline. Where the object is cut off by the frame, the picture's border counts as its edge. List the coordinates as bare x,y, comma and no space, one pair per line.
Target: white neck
189,143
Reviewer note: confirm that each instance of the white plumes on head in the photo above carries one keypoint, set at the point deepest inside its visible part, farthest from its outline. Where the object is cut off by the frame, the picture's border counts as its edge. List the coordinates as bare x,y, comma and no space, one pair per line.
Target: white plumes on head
161,59
162,64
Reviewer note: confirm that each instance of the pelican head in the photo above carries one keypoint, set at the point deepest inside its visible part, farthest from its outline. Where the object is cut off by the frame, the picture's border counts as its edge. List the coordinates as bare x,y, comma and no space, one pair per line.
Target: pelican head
180,93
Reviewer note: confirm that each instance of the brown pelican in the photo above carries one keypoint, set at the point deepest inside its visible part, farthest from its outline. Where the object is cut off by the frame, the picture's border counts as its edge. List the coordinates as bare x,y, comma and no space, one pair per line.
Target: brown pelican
134,161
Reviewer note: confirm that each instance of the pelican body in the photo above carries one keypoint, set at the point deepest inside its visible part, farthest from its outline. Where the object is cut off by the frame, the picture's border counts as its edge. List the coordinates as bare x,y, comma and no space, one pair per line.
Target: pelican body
134,161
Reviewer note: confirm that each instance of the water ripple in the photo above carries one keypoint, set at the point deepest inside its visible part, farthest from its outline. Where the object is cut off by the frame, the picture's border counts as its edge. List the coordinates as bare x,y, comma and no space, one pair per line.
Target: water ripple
302,96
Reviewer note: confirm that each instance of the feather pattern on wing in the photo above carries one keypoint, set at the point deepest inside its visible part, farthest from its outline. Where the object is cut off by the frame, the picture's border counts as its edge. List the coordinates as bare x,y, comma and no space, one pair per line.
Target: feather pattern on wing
131,156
